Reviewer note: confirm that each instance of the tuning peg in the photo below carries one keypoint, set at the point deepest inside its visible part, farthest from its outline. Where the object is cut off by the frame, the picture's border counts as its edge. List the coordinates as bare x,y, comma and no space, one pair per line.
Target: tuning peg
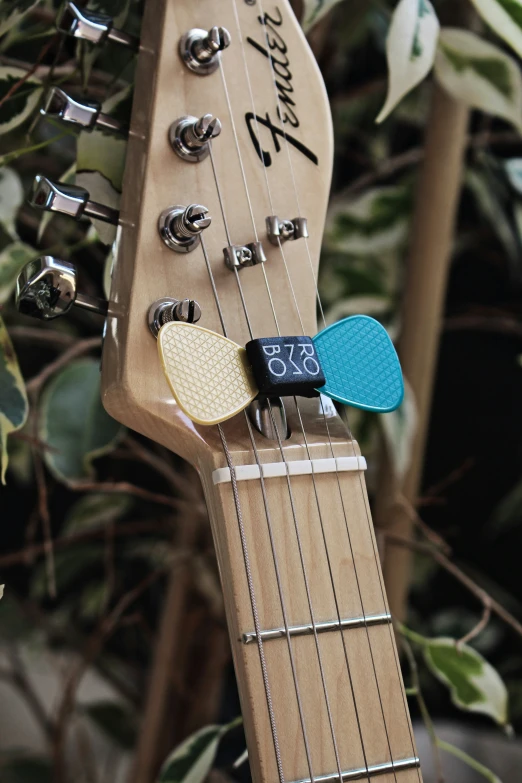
46,289
88,114
92,27
190,138
68,199
200,49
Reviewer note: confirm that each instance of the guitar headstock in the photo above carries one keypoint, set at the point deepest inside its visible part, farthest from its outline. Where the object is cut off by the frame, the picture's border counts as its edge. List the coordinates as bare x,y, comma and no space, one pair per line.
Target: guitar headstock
230,130
272,158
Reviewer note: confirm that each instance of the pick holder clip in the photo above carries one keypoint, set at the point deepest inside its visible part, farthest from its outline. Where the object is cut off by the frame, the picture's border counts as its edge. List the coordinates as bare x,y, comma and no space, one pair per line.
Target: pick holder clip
212,378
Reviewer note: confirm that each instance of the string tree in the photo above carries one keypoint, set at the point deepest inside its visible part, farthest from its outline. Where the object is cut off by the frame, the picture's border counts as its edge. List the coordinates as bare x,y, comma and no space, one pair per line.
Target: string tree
200,50
239,256
181,227
281,230
190,137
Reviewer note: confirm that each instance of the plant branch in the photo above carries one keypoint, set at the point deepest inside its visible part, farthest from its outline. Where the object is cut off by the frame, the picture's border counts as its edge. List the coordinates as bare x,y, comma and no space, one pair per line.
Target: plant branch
75,350
124,487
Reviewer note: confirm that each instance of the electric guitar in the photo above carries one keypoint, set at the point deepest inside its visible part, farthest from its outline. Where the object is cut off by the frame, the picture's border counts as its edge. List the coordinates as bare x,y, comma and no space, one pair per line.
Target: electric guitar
212,348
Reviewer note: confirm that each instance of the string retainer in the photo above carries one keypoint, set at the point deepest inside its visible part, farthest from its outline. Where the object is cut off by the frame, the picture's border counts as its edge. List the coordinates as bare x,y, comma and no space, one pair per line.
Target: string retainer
285,366
239,256
282,230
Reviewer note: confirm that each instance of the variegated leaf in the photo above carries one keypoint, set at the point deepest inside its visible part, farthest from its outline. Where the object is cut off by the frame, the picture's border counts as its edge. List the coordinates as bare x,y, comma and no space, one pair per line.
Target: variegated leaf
23,103
13,399
505,18
479,74
11,198
410,49
473,683
11,11
314,10
191,761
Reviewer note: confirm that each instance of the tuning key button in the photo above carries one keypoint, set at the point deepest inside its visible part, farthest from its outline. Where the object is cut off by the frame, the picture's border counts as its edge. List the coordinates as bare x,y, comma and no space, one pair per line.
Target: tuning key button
200,49
181,227
190,138
92,27
70,200
87,114
46,289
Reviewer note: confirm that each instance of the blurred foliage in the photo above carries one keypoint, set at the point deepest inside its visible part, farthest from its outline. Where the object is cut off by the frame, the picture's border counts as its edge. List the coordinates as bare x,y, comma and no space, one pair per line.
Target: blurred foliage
93,596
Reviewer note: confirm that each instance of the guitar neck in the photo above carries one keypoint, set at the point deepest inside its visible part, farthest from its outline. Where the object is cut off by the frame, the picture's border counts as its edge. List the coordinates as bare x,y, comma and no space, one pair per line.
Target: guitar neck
314,650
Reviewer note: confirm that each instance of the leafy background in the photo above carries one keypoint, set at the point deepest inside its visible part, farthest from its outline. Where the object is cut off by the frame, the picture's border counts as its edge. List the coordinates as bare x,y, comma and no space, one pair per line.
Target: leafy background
99,524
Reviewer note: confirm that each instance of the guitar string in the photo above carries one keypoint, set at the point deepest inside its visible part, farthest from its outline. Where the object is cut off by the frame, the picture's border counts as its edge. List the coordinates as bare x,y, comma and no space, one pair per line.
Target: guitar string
238,26
318,297
338,612
289,486
272,544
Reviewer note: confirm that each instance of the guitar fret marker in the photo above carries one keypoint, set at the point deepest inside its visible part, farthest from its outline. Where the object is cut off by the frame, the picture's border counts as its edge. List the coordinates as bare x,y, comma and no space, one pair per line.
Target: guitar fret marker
300,467
333,625
363,772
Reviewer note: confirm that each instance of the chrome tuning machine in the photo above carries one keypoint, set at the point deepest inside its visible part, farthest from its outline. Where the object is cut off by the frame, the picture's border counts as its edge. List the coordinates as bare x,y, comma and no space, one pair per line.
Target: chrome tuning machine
93,27
70,200
46,289
282,230
181,227
165,310
200,49
86,114
190,138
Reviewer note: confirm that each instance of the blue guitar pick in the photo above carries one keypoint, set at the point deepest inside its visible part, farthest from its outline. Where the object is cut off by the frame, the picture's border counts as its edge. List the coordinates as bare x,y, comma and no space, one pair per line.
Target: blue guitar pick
360,364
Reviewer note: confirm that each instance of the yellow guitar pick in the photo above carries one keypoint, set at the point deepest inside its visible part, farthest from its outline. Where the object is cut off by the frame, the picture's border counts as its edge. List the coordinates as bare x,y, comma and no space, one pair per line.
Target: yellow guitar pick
209,375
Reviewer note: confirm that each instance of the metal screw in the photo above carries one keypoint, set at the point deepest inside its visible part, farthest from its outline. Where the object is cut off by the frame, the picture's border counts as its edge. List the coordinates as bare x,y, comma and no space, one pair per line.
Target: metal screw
188,311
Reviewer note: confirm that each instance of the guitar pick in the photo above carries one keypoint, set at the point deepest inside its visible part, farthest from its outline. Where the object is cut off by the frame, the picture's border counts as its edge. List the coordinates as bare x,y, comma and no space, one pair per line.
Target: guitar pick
209,375
360,364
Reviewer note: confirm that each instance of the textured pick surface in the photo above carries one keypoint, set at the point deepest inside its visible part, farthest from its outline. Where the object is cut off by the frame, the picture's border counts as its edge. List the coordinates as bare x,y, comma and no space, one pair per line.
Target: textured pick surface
208,374
360,364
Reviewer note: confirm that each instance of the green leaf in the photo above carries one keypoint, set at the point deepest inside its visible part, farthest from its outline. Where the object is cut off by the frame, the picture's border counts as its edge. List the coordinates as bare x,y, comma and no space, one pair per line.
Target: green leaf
25,769
2,588
12,258
374,223
95,510
18,108
507,514
474,684
11,198
11,11
479,74
314,10
74,424
410,49
468,760
13,399
191,761
115,720
505,18
71,567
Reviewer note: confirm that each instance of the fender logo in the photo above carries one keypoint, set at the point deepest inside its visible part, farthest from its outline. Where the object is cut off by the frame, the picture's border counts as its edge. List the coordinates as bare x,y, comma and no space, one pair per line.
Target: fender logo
286,108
